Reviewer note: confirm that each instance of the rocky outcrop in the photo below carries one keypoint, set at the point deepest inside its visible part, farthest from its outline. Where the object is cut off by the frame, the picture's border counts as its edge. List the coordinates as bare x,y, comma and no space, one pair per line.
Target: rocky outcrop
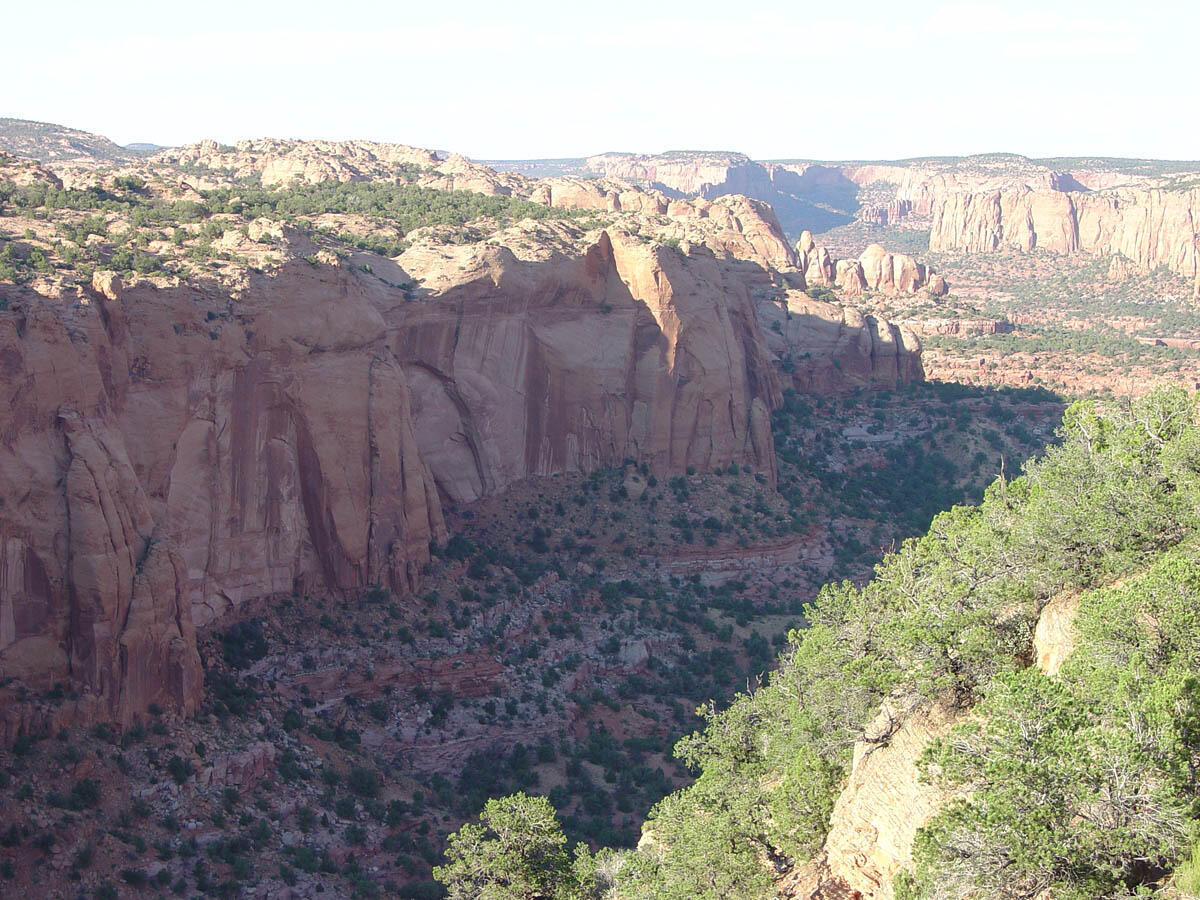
884,802
824,348
171,452
894,273
849,277
1053,639
803,195
734,226
164,459
876,817
883,214
974,204
282,162
957,327
875,270
630,350
242,769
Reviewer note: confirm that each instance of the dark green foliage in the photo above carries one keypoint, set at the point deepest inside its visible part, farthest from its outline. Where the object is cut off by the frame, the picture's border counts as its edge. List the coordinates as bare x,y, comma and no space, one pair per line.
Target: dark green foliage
244,643
1085,782
179,769
363,781
518,851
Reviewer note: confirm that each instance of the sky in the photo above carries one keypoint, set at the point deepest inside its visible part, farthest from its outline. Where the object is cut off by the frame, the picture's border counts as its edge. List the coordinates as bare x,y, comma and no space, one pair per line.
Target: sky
512,80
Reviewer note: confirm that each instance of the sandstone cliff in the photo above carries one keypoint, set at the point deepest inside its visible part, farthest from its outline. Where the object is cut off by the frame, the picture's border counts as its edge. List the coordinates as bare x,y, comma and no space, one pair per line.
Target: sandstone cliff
1151,227
165,458
282,413
973,204
735,226
824,348
170,452
803,195
524,367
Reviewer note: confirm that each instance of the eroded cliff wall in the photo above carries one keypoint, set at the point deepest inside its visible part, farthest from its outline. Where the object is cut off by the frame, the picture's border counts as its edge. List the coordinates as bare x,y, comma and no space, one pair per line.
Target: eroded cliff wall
169,452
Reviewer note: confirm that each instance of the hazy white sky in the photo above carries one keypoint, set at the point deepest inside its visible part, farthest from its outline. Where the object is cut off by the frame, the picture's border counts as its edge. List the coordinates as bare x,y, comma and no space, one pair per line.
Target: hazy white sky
511,79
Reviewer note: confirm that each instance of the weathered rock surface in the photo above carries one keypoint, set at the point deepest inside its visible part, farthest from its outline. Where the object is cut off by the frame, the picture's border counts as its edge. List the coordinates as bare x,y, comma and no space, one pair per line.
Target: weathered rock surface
1147,226
974,204
875,270
884,802
171,452
804,195
1053,639
732,225
173,448
630,350
826,348
242,770
878,812
957,326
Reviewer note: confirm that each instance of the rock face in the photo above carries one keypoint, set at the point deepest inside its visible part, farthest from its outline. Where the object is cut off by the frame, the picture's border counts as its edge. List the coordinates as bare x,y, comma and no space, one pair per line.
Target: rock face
974,204
884,802
875,270
825,348
1053,640
891,272
804,195
733,225
527,368
164,460
878,813
169,453
958,326
1148,226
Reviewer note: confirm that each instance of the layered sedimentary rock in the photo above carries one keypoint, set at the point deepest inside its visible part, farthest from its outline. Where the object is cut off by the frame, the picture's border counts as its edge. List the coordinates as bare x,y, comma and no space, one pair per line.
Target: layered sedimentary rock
630,350
804,195
958,327
168,453
974,204
825,348
164,458
1148,226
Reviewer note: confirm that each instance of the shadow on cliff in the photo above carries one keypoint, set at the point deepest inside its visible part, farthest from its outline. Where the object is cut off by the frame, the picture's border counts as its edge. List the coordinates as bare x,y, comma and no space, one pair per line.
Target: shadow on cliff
817,199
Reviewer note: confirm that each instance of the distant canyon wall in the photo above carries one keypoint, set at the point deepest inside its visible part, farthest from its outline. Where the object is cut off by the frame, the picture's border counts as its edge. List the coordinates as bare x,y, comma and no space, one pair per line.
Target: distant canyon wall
1149,226
977,205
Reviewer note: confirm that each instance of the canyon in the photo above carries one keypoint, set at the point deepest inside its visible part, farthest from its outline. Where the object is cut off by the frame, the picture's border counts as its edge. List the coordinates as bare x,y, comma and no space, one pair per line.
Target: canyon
490,500
177,447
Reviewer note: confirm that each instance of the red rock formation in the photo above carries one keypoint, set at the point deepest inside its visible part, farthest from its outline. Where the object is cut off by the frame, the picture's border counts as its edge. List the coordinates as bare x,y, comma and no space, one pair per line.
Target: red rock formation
168,453
896,273
630,350
1146,225
164,459
875,270
826,348
957,326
